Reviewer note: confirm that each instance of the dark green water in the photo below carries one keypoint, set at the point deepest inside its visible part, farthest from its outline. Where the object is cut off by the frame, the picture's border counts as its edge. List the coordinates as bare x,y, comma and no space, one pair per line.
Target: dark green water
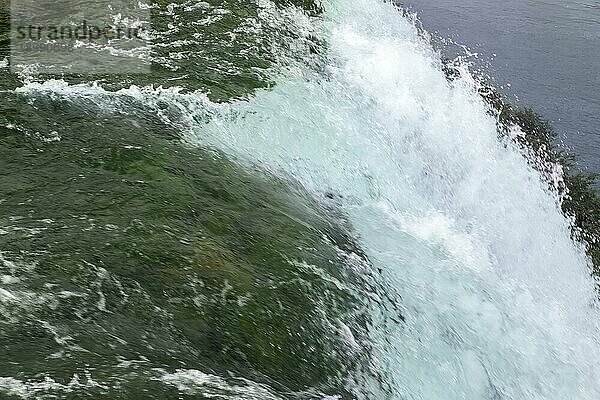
292,202
130,256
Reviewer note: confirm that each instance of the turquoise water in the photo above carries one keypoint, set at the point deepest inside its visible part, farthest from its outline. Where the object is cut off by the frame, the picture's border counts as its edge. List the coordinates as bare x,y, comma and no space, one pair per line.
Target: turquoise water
310,211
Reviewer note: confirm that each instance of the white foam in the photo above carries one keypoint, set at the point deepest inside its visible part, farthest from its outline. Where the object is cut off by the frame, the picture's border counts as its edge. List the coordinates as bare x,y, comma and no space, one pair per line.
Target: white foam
499,302
190,381
499,297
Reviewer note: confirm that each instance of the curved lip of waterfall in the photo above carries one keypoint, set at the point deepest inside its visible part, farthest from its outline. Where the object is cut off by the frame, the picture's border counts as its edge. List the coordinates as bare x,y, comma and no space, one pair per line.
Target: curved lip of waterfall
485,304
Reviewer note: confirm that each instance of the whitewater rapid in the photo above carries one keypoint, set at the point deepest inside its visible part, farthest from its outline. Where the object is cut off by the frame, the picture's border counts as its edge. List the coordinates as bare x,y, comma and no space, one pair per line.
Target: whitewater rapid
498,300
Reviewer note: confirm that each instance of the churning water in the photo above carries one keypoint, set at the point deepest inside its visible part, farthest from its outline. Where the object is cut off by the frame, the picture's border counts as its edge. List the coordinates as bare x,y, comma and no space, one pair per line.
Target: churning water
546,50
456,277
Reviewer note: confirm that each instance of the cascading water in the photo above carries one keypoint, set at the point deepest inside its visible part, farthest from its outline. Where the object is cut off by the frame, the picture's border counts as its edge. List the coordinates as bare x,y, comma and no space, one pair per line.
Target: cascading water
496,298
499,300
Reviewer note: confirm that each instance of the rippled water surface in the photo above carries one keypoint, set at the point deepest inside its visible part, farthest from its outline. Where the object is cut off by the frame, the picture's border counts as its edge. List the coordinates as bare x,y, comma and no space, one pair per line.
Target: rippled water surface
294,203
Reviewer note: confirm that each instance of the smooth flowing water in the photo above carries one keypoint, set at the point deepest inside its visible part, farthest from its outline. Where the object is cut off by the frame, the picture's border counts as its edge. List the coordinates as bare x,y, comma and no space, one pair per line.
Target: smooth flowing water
352,229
